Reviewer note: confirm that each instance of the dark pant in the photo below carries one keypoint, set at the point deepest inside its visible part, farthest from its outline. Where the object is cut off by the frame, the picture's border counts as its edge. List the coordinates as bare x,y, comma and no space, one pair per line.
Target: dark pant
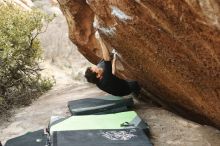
134,87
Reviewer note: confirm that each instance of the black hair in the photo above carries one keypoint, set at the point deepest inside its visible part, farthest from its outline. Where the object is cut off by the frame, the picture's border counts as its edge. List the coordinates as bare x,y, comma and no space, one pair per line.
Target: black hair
91,76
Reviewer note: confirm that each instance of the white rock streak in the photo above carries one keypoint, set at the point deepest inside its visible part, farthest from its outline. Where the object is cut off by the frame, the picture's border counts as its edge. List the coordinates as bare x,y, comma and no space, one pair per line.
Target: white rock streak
108,30
120,14
138,1
95,22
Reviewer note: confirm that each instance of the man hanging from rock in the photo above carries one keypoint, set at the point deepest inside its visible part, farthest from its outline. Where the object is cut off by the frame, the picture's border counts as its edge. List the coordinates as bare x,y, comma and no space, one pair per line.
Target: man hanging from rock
103,75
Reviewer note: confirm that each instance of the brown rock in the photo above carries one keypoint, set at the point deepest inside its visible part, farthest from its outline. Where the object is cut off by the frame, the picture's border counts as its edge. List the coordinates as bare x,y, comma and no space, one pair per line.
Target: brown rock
171,47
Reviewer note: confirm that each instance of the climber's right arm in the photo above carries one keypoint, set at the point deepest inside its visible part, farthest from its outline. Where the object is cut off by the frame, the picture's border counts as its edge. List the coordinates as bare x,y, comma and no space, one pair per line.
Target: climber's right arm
105,52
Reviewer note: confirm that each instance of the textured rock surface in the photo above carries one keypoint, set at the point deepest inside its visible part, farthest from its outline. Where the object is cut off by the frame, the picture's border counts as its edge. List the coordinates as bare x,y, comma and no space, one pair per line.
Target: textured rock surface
25,4
171,47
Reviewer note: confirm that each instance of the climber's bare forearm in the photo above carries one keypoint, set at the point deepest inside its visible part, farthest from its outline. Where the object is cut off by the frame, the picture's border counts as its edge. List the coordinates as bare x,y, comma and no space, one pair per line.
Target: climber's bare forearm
114,65
105,52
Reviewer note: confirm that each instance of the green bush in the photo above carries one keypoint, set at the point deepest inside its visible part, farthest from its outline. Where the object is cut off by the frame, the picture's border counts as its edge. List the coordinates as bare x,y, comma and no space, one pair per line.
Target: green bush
20,51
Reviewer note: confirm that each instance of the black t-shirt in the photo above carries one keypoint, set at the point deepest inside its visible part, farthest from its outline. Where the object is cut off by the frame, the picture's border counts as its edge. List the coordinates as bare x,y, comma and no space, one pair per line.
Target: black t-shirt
110,83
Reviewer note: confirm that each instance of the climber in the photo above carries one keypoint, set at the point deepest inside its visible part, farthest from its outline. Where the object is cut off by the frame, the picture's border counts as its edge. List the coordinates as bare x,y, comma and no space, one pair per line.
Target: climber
103,75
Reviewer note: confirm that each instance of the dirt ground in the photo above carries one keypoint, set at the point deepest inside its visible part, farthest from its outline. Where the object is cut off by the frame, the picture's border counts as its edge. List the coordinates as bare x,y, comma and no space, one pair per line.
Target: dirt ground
167,129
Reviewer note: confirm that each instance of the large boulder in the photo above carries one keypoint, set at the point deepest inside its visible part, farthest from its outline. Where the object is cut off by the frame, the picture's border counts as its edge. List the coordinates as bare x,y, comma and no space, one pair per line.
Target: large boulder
172,47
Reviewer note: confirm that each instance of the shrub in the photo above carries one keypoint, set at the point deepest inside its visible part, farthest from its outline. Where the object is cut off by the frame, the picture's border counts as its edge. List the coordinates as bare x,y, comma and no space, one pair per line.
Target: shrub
20,52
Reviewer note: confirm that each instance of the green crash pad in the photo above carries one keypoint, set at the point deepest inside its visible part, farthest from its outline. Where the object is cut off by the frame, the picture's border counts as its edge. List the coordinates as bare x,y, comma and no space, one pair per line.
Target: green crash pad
121,120
36,138
107,137
100,105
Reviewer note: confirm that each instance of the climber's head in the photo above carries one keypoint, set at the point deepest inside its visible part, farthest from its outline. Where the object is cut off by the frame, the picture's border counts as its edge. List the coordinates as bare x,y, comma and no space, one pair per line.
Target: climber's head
93,74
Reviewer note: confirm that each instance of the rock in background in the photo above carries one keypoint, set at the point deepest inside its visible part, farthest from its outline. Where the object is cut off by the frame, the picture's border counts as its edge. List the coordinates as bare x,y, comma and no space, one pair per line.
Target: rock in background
61,57
26,4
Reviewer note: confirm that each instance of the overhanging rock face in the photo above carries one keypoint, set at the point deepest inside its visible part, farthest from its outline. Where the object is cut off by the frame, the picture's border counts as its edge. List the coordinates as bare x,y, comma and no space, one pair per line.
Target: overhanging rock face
172,47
